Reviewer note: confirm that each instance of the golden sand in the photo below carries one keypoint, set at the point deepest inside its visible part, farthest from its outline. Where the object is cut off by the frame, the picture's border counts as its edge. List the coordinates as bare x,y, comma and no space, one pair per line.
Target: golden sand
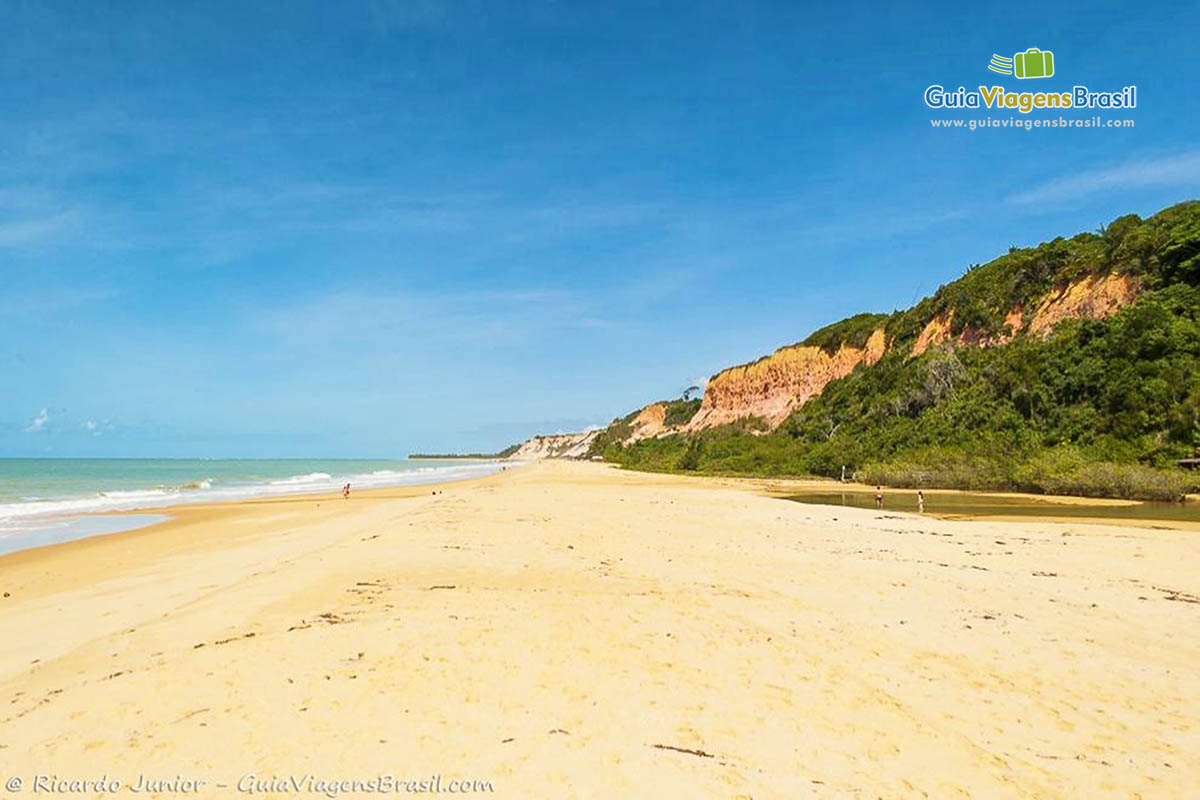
570,630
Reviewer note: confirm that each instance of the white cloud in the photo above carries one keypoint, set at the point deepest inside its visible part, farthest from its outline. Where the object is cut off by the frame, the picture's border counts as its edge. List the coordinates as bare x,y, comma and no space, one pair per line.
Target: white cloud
366,324
23,232
38,423
1162,171
96,427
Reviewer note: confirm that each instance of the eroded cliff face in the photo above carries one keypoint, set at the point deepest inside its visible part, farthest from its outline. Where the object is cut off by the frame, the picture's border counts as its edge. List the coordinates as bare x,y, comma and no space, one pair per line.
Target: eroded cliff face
1096,297
937,332
559,445
651,421
773,387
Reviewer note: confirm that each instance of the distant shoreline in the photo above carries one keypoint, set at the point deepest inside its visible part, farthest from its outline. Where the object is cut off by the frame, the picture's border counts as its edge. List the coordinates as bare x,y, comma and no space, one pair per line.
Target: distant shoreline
500,456
455,457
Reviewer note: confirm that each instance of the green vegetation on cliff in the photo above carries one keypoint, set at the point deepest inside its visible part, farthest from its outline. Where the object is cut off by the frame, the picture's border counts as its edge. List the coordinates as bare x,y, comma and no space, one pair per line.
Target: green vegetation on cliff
1101,407
852,331
680,412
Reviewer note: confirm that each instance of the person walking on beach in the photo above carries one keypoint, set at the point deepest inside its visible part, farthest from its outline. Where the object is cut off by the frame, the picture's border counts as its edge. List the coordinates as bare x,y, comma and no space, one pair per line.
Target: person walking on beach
346,492
920,502
879,497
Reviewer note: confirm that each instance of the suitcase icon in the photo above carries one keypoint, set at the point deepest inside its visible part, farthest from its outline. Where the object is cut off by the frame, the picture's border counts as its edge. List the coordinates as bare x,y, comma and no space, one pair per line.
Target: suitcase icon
1033,63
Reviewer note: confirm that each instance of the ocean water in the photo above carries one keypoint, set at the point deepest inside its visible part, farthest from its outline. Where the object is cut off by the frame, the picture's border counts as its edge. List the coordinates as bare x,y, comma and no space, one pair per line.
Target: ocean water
53,499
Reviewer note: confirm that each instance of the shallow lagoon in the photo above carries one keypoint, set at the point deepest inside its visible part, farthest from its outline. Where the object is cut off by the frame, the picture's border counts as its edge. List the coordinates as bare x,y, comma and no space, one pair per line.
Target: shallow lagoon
983,504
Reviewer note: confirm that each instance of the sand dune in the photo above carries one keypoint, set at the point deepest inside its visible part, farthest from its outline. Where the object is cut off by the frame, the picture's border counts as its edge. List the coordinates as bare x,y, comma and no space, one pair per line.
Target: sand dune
569,630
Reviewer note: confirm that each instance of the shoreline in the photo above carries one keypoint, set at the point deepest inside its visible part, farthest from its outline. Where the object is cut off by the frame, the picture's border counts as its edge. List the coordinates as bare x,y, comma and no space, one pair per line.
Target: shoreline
217,511
56,520
573,627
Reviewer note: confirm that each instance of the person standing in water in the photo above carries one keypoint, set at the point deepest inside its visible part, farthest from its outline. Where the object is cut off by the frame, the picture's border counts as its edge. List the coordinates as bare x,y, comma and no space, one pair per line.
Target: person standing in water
920,502
879,497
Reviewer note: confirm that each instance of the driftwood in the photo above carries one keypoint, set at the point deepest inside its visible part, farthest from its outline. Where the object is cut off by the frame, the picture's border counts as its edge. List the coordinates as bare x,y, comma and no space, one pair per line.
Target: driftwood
700,753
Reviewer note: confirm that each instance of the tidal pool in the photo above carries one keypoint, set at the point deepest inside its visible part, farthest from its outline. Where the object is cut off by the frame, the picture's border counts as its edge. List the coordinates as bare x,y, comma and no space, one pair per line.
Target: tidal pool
982,504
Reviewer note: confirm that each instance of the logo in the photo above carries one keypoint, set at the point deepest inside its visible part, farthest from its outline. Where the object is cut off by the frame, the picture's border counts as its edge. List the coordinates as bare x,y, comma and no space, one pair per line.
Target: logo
1033,63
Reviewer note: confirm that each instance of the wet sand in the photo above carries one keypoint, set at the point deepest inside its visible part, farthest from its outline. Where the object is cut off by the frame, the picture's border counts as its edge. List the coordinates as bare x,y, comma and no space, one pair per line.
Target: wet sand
571,630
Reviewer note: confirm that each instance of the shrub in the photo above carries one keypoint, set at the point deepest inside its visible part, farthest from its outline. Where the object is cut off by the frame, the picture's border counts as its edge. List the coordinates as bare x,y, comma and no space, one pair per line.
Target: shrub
680,412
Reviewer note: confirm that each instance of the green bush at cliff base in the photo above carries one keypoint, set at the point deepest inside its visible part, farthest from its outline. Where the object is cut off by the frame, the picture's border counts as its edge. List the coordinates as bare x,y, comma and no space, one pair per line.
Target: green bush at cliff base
1060,470
1068,471
720,451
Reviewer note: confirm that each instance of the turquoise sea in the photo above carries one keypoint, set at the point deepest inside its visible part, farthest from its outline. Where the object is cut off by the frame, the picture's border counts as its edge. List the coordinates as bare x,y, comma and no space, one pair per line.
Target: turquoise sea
52,499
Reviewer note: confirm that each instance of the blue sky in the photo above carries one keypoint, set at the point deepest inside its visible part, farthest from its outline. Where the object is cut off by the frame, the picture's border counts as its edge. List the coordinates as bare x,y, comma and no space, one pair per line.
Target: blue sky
361,229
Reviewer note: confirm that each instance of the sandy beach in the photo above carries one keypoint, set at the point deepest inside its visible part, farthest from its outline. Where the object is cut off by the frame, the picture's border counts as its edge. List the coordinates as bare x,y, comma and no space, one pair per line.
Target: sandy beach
570,630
